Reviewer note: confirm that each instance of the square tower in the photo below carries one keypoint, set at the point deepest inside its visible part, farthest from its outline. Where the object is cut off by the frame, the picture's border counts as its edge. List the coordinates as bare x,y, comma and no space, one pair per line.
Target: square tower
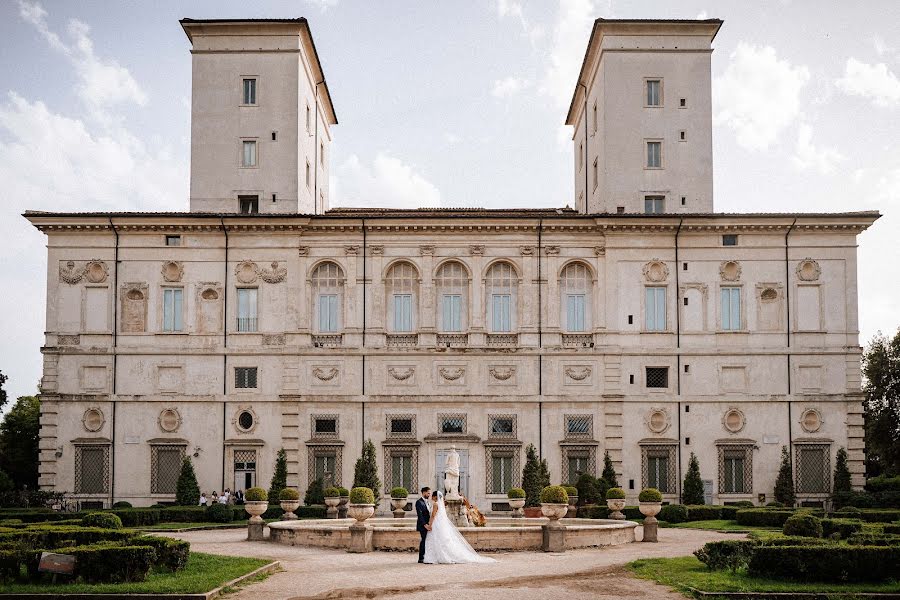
642,117
260,117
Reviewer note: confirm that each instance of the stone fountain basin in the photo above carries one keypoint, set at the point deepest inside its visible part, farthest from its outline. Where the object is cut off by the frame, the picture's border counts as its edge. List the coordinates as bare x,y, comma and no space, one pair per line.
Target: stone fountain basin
501,533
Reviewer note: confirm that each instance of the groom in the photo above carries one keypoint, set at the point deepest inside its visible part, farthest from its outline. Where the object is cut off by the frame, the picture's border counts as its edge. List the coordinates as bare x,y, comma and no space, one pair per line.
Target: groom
423,516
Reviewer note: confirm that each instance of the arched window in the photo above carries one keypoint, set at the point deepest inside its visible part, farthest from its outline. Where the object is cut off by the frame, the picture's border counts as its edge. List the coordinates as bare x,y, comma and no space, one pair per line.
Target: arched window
501,285
328,297
452,282
402,289
575,298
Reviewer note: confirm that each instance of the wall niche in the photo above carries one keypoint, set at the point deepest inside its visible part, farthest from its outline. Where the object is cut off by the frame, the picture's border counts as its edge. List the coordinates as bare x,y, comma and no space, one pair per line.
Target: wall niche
134,307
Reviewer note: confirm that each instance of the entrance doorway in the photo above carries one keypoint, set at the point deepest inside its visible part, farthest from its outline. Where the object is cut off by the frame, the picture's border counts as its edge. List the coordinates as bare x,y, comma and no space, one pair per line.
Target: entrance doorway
244,469
440,461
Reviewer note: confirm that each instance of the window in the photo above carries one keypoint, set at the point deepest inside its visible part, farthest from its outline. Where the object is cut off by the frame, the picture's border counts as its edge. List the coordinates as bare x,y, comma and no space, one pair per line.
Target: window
682,102
401,287
654,204
502,284
172,305
731,308
245,377
452,424
401,426
322,154
682,135
501,472
245,420
655,309
578,462
274,136
327,281
308,176
325,426
729,240
620,210
249,204
451,312
813,468
657,377
658,470
580,156
325,463
654,155
401,471
654,92
165,467
735,469
173,240
249,96
246,319
579,426
308,119
575,286
248,158
596,121
92,469
596,175
502,426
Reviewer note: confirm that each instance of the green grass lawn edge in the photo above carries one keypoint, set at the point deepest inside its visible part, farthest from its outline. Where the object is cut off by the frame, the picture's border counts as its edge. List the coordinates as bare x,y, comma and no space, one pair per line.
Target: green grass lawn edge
203,573
717,525
686,572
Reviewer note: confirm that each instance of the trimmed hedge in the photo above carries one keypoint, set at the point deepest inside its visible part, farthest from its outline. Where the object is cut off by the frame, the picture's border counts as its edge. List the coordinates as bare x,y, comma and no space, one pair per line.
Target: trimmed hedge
883,483
833,562
182,514
726,554
218,513
104,520
879,515
137,517
702,512
170,554
730,510
844,528
598,511
105,563
770,517
54,537
891,528
673,513
872,539
803,524
34,516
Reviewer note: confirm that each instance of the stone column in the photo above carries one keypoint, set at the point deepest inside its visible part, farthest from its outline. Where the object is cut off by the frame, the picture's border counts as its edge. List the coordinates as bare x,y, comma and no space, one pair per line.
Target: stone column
651,527
360,538
554,537
255,531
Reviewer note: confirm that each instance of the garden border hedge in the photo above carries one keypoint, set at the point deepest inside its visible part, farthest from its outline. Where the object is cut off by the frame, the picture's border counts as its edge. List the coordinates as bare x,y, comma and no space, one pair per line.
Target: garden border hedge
825,563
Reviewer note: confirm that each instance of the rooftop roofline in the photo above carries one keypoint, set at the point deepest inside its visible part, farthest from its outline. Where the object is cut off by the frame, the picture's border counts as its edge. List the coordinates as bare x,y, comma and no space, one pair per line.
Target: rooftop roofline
187,24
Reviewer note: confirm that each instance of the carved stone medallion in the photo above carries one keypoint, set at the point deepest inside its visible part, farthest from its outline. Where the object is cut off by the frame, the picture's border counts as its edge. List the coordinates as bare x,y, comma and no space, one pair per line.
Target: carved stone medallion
246,271
808,270
733,420
730,270
656,271
93,419
657,420
96,271
172,270
169,420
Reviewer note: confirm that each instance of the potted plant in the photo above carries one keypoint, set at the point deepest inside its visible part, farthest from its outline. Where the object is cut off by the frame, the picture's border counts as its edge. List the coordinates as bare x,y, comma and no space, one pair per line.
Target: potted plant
362,503
572,491
256,503
516,499
289,499
345,499
554,502
615,500
332,500
398,501
650,500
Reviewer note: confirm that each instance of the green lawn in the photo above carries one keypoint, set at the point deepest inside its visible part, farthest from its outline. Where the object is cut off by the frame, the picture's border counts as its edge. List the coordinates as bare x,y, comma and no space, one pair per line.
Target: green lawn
204,572
718,525
687,572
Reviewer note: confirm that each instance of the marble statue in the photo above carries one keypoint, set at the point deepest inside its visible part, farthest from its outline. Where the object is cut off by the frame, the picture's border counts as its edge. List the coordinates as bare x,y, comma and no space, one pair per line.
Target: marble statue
451,475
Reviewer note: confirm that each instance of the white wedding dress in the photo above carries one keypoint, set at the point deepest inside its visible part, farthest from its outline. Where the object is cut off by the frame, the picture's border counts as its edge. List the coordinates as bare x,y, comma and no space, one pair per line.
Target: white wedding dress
444,544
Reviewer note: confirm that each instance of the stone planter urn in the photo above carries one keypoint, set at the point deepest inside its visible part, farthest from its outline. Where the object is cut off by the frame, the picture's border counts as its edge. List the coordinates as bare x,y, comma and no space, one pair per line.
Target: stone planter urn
554,511
651,525
573,507
332,503
361,512
256,508
650,509
517,504
289,506
342,507
615,506
399,506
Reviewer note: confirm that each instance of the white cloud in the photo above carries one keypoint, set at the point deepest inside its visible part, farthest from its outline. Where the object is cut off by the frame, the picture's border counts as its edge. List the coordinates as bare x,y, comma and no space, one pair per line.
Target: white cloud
702,15
809,156
875,82
881,47
103,83
322,5
570,35
513,9
451,138
508,86
758,95
388,182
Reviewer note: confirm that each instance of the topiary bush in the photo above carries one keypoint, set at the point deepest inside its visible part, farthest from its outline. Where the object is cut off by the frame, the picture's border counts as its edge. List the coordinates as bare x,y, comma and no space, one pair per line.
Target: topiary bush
609,472
279,477
187,492
399,493
692,489
332,492
803,524
288,495
615,493
673,513
848,512
826,563
121,504
784,483
315,494
571,490
362,495
515,493
535,476
219,513
255,494
589,489
554,494
365,472
775,504
842,528
104,520
343,492
170,554
650,495
763,517
726,554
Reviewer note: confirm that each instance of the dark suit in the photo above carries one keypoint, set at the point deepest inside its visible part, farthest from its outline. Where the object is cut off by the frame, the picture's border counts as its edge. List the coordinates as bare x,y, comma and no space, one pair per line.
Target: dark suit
422,518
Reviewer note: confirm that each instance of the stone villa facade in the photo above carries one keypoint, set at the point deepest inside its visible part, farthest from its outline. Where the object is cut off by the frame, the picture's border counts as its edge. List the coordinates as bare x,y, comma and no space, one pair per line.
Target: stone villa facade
640,323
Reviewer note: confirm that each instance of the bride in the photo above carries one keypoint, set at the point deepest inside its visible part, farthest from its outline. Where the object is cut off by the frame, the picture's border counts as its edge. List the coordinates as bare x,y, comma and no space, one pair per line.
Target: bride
444,543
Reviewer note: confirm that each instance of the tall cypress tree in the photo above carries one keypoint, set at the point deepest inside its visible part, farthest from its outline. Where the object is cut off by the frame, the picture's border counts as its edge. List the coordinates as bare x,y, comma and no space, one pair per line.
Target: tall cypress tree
784,484
187,492
366,472
841,472
535,476
692,490
609,472
279,477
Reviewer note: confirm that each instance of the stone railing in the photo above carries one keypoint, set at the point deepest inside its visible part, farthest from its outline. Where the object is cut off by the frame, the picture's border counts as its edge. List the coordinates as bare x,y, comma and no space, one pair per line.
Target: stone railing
452,340
330,340
401,340
577,340
502,340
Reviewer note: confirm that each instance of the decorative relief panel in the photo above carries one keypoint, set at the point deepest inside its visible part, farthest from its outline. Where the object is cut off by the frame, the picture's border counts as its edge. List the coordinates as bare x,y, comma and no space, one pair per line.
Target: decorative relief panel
245,419
552,250
170,378
733,420
377,250
599,250
93,419
401,373
93,271
209,307
351,250
451,374
526,250
325,373
68,340
169,420
502,374
658,420
730,270
577,375
656,271
808,270
134,307
426,250
811,420
274,339
303,251
248,272
476,250
172,270
275,274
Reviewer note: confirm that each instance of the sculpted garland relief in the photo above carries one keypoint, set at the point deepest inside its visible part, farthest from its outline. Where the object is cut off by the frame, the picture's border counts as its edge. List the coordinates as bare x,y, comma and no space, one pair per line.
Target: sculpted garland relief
94,271
248,272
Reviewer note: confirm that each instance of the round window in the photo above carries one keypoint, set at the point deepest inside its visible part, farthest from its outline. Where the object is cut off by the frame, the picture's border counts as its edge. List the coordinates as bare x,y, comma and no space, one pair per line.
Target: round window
245,420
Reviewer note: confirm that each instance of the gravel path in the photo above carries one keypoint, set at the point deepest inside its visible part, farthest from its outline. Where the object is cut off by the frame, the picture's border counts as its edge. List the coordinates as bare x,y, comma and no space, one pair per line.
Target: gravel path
322,574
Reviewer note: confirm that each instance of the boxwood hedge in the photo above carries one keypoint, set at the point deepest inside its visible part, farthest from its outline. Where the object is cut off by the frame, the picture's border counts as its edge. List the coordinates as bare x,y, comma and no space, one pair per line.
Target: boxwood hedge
829,562
170,554
844,528
111,563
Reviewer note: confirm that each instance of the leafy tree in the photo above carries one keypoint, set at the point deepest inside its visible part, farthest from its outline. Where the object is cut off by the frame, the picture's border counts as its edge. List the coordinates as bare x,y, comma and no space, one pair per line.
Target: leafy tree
609,472
187,492
784,484
692,490
366,472
19,436
6,483
535,476
315,493
881,406
279,477
841,472
3,379
589,489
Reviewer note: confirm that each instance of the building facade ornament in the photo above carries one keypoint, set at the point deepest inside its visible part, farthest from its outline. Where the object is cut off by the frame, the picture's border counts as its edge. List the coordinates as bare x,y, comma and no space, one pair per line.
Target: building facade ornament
730,270
70,274
274,339
526,250
552,250
733,420
68,340
426,250
351,250
476,250
578,374
276,274
502,373
811,420
452,374
656,271
169,420
93,419
325,374
377,250
808,270
246,271
96,271
658,420
401,375
303,251
172,271
245,419
599,250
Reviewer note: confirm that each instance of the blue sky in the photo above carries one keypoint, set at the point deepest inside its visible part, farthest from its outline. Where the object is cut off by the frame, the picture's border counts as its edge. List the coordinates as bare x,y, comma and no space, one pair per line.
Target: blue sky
451,104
